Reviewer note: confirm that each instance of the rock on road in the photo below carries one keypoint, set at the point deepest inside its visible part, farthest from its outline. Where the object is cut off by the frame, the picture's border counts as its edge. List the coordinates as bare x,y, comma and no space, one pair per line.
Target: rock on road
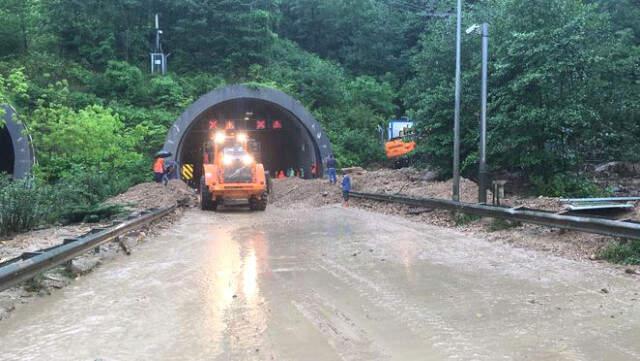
329,284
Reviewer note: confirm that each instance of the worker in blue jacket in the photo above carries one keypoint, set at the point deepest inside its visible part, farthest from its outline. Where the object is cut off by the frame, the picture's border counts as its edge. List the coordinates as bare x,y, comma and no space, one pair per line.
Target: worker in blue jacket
346,188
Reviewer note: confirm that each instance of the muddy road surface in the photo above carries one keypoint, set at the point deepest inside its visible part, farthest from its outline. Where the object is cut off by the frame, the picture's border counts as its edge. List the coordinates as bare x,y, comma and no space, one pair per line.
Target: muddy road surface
329,284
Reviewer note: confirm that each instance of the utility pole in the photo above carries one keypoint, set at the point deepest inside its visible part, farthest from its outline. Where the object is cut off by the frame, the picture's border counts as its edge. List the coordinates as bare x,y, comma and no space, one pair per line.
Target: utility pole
456,118
482,181
158,57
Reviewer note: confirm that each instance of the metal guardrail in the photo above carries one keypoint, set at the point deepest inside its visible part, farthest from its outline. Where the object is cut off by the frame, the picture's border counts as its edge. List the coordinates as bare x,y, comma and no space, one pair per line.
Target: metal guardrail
607,227
605,199
30,264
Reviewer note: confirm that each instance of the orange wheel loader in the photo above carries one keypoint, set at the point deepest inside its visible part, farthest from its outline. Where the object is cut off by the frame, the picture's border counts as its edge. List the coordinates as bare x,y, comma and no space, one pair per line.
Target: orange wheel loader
230,172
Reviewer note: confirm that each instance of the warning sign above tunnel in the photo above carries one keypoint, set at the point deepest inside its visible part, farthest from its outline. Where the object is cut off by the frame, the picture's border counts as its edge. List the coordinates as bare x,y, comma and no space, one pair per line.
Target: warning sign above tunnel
276,124
213,124
230,125
261,124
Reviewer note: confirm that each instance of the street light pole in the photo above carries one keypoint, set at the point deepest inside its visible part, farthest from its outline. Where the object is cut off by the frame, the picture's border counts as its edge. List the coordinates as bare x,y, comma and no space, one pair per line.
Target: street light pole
482,196
456,117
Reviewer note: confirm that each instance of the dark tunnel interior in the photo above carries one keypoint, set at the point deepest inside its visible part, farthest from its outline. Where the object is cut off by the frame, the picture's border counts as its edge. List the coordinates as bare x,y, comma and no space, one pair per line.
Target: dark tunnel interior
7,157
282,140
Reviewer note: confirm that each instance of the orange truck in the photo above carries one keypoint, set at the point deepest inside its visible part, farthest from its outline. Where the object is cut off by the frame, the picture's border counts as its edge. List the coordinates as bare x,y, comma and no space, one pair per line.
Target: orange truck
231,173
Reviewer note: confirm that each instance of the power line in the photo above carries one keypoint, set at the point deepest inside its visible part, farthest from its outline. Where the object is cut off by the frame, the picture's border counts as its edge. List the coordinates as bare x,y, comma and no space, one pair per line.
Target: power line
428,10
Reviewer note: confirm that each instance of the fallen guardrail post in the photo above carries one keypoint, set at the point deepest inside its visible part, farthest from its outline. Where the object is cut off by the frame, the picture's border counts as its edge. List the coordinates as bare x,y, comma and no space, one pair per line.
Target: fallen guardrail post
604,226
30,264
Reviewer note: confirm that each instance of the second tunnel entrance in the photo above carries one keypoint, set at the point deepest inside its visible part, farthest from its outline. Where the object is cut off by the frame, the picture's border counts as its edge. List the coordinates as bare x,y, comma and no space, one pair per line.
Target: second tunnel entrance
286,134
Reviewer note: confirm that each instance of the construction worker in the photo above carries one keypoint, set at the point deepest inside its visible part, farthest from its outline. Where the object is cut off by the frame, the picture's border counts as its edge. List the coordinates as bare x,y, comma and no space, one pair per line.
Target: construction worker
346,188
158,169
170,171
281,174
332,164
314,170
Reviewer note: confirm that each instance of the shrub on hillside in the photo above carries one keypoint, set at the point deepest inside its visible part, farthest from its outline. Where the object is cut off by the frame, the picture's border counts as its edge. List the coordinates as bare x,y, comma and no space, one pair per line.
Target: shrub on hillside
566,185
25,205
626,252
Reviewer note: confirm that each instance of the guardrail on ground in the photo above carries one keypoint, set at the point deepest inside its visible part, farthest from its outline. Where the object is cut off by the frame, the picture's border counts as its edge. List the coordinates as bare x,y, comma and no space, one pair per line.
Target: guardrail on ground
30,264
607,227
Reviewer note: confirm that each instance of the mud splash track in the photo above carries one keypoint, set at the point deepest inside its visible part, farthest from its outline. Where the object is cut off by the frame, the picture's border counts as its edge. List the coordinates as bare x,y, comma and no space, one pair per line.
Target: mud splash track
329,284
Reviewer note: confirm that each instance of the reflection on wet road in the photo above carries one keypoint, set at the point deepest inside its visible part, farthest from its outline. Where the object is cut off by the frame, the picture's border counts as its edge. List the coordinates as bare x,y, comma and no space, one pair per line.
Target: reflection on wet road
329,284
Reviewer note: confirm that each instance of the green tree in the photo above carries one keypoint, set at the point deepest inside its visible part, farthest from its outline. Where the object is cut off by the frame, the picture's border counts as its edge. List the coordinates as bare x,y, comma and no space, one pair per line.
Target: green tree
91,139
554,98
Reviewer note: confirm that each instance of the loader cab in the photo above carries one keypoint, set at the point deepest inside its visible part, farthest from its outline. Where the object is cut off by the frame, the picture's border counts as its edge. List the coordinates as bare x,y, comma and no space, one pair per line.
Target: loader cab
400,129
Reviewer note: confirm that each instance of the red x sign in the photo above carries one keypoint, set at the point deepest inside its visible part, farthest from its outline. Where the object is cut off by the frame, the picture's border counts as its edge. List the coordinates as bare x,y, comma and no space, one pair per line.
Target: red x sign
213,124
261,124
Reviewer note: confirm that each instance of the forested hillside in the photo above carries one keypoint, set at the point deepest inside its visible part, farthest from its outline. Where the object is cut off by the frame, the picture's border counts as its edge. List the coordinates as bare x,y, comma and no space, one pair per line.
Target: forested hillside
564,77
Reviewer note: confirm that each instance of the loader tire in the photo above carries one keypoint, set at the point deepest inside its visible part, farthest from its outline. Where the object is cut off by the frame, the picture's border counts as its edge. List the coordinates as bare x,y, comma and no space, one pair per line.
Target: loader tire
206,203
261,203
269,183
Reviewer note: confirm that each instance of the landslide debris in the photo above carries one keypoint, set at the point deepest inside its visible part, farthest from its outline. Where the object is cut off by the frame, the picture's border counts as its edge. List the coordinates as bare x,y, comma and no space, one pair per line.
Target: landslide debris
301,193
408,181
155,195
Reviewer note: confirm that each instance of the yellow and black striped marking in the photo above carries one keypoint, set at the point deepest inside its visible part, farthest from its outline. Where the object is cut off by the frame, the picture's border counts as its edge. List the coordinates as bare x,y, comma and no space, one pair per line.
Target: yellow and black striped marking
187,172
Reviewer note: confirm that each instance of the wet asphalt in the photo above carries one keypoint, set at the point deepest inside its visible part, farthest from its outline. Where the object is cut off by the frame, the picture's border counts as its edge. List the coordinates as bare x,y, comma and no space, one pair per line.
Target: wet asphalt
329,284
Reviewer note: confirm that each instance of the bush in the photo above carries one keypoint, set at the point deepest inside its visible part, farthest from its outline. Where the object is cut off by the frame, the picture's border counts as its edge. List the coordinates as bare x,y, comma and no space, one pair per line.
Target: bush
75,198
626,252
499,224
92,213
91,138
121,80
23,207
461,219
565,185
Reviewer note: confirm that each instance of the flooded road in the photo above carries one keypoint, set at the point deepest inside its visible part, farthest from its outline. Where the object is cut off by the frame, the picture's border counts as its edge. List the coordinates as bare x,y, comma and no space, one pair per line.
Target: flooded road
329,284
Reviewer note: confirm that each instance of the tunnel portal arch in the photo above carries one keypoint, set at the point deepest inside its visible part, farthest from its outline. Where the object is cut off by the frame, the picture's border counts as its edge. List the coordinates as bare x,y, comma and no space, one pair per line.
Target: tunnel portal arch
17,156
298,144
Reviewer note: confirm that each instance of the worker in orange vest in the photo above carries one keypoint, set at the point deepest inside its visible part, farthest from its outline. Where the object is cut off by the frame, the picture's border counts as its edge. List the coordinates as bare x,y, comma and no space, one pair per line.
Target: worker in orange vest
158,169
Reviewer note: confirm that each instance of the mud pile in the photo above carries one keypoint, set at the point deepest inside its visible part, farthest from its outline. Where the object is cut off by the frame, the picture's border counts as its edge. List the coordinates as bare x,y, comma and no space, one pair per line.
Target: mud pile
412,182
296,192
155,195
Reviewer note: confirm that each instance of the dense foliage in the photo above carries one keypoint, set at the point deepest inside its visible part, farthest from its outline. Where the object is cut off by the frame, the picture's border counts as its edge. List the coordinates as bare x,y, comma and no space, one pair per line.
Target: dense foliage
564,77
563,89
24,205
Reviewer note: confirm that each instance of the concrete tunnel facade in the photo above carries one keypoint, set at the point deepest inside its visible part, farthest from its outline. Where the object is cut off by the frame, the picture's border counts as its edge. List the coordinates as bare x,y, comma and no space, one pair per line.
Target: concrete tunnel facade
287,134
17,156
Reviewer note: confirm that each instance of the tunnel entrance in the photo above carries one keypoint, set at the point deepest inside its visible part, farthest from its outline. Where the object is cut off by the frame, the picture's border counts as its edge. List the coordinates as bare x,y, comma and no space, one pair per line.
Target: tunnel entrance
285,134
7,160
281,141
16,149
